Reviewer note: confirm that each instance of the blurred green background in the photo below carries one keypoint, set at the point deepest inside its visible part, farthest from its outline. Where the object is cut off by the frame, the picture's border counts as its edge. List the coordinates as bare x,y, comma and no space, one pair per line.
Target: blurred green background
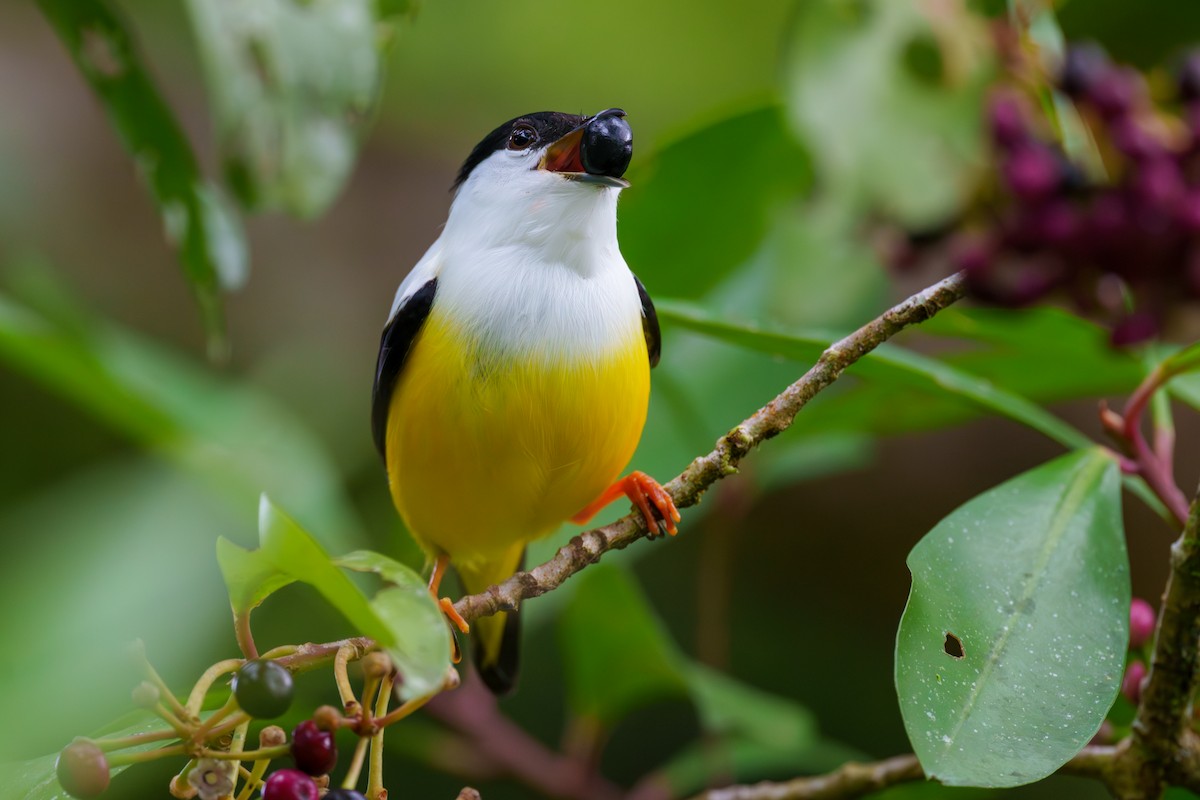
770,139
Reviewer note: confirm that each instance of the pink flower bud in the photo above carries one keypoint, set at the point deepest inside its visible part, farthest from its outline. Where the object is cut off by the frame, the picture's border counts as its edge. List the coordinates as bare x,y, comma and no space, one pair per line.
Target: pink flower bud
1131,684
1141,622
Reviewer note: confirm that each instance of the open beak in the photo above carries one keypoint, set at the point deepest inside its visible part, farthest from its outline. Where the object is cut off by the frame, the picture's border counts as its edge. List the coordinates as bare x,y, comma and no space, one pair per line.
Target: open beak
566,157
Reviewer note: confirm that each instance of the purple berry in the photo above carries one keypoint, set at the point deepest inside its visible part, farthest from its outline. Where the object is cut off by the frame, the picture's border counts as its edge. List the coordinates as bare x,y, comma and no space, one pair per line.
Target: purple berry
313,749
289,784
973,253
1117,92
1007,120
1134,141
1188,77
1033,172
1131,684
1134,329
1158,184
82,770
1084,64
1141,622
1187,211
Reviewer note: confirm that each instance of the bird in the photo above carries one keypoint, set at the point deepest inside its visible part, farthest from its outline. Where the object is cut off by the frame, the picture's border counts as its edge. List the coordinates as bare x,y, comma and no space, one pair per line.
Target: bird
513,376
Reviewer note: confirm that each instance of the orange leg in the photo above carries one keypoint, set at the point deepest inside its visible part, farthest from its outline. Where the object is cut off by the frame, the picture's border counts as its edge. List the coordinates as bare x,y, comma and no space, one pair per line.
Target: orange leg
645,492
435,581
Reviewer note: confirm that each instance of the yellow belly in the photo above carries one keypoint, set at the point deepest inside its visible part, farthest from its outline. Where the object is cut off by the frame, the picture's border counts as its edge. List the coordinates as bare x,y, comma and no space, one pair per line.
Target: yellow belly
486,452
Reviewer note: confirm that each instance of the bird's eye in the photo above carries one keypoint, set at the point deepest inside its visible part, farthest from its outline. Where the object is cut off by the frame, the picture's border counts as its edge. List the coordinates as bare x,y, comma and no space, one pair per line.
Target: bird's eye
522,137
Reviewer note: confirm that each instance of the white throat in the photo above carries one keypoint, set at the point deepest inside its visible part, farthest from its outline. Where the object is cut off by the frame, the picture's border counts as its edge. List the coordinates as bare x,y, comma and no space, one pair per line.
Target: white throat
529,266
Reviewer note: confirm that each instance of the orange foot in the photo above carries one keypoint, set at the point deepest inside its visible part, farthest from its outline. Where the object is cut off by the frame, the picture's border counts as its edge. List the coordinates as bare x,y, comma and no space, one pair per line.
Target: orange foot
444,603
649,497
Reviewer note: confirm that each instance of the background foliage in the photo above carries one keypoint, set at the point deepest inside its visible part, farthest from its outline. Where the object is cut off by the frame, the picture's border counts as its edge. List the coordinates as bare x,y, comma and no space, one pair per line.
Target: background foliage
769,139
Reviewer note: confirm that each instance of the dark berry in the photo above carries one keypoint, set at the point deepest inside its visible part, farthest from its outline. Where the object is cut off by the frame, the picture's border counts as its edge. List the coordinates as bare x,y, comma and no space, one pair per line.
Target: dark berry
1084,64
1131,684
263,689
973,253
607,144
289,784
1141,622
1187,211
1188,77
343,794
1158,184
313,749
1134,329
1032,172
1134,141
1117,92
82,770
1007,120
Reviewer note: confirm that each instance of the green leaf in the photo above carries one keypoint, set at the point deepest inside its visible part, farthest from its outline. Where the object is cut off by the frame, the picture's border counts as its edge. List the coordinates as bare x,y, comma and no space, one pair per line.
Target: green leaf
701,206
402,618
35,779
290,84
728,706
389,569
888,364
197,221
616,654
238,440
250,575
1011,649
890,103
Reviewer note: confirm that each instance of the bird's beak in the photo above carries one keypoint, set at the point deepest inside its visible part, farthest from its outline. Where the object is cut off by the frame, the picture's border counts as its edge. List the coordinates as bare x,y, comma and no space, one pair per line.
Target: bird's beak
567,157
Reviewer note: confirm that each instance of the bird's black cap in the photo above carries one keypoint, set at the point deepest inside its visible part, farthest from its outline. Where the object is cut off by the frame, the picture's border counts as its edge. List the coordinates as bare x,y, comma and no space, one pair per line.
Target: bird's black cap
550,126
602,145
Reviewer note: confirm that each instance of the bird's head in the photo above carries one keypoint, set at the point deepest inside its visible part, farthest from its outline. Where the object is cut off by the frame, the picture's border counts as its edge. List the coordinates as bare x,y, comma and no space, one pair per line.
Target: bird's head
546,149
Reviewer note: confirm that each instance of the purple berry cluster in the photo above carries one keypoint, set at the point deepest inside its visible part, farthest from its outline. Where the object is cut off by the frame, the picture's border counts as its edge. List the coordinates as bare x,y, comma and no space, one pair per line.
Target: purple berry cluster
1124,244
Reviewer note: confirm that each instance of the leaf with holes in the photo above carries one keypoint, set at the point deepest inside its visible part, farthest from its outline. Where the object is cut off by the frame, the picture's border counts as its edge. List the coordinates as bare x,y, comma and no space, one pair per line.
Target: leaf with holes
1011,648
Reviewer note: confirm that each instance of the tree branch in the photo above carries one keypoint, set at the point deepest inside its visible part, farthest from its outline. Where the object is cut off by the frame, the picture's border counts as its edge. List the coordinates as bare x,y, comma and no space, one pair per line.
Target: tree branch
1163,748
855,780
687,488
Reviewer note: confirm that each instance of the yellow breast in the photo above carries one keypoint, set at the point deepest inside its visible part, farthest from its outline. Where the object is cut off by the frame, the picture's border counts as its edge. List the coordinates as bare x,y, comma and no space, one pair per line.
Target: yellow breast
486,451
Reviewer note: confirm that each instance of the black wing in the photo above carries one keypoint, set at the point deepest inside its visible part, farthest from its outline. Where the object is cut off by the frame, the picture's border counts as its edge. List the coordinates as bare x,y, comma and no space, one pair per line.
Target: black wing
397,339
649,324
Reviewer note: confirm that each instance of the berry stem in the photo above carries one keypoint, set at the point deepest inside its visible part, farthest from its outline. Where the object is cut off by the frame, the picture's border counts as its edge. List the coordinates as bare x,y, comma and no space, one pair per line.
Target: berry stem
254,780
164,691
108,745
342,678
1152,466
142,756
356,763
261,754
375,790
201,732
200,690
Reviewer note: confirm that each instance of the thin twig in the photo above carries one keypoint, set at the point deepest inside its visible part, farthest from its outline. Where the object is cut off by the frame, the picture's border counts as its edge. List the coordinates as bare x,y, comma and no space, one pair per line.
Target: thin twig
687,488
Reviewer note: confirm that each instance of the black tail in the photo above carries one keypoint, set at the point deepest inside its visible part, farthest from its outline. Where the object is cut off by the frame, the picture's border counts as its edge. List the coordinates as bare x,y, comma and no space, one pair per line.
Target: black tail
500,674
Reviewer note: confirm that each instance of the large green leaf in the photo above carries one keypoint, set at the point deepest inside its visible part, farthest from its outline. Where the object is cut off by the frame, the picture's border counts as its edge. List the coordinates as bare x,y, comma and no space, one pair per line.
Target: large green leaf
239,441
402,618
701,206
616,654
197,221
888,96
1011,648
290,85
